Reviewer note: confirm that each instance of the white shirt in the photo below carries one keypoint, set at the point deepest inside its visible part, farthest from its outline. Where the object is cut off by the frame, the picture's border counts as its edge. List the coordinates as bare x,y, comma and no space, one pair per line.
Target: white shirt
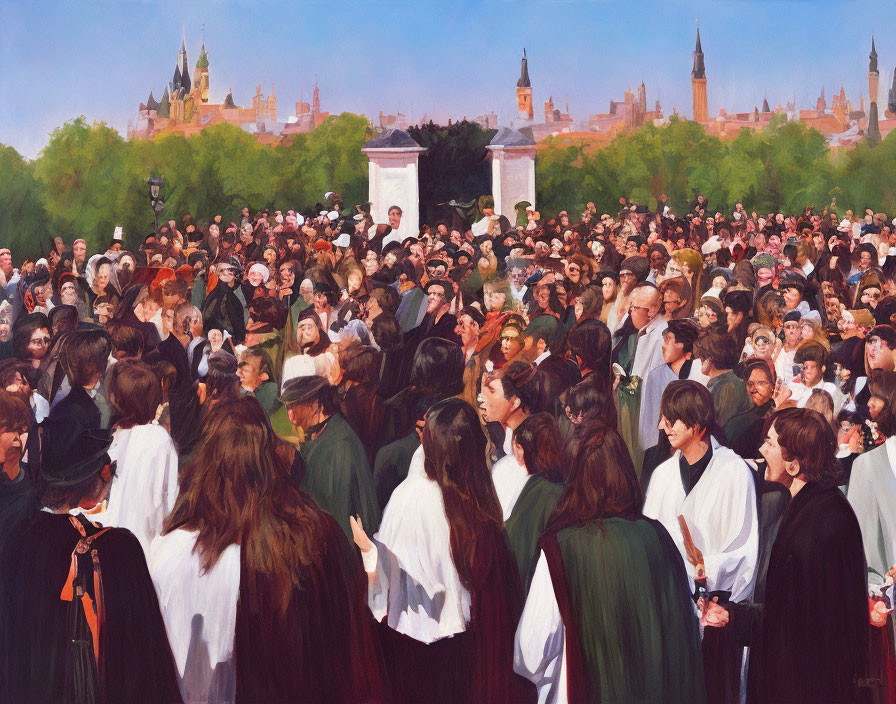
199,609
416,583
721,515
649,352
540,644
801,393
509,477
144,488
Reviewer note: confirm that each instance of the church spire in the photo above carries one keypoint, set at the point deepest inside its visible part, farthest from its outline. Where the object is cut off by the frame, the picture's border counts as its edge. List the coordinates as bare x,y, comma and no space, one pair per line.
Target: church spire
765,107
524,73
891,102
699,70
872,58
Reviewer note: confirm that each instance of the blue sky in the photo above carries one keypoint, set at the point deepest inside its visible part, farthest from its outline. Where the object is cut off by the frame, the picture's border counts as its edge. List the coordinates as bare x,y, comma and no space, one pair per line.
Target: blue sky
443,58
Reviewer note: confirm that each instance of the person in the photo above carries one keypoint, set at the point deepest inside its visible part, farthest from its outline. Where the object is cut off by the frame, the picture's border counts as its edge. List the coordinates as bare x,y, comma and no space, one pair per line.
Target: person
678,349
80,616
537,448
638,350
256,372
443,580
743,431
253,577
224,306
31,340
812,359
799,654
718,353
710,486
508,397
145,486
18,496
311,349
337,475
608,616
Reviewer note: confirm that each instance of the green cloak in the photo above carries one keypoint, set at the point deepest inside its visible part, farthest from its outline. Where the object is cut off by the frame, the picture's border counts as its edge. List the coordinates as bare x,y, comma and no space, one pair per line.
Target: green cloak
631,627
530,515
338,477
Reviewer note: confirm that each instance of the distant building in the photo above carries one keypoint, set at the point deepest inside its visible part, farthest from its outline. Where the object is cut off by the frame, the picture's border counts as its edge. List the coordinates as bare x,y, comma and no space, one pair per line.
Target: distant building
525,108
185,108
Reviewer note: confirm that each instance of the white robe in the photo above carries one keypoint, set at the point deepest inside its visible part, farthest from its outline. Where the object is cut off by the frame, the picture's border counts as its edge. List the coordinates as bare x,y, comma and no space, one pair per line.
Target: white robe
416,582
509,477
145,487
721,515
306,365
872,494
539,652
199,609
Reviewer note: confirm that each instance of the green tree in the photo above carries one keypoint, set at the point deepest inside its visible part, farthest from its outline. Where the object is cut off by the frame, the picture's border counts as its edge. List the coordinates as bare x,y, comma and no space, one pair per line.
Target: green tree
24,225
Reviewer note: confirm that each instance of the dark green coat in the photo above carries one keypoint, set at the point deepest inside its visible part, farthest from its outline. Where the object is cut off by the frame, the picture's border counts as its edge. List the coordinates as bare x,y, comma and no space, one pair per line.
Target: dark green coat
338,477
631,627
530,515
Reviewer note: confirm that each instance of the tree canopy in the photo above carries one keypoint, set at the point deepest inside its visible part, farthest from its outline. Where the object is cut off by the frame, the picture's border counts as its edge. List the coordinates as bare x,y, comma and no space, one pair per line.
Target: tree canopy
88,179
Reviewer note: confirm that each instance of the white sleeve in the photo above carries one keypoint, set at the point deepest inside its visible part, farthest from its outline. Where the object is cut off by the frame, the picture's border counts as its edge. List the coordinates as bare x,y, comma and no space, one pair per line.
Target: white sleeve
540,639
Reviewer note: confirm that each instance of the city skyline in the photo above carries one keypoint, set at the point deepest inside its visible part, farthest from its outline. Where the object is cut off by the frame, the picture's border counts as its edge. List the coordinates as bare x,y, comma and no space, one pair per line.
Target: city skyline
363,56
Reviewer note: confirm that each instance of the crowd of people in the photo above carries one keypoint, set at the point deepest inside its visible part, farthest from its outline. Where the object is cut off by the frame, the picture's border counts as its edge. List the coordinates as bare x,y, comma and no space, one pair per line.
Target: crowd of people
308,457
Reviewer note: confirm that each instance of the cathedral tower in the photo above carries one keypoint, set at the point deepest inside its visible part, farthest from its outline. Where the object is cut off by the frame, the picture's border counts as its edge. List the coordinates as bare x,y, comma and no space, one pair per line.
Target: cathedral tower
698,84
873,132
200,75
524,92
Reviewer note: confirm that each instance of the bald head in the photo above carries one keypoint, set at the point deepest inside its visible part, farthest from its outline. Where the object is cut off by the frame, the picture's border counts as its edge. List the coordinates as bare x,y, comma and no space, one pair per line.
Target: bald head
645,304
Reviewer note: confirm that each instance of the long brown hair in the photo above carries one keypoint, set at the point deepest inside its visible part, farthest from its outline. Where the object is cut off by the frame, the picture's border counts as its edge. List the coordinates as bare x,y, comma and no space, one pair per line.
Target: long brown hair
237,492
601,480
454,447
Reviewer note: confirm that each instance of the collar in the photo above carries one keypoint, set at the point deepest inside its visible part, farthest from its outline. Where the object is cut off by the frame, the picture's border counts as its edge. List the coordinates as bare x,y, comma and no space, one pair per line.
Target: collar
508,442
692,473
543,356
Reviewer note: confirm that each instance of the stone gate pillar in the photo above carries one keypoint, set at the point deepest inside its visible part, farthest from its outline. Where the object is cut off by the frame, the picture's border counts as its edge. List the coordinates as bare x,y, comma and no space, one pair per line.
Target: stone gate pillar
393,172
513,170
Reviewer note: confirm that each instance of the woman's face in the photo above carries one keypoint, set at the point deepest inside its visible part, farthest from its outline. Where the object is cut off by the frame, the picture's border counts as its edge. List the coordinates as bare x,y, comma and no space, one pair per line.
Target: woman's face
875,406
39,343
370,266
763,346
270,256
706,316
720,282
255,277
287,276
608,288
102,276
511,343
494,299
68,294
806,332
673,270
759,386
225,274
215,339
543,297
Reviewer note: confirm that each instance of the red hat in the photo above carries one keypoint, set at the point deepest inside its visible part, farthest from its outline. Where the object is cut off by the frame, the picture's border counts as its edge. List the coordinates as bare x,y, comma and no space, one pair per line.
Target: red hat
322,246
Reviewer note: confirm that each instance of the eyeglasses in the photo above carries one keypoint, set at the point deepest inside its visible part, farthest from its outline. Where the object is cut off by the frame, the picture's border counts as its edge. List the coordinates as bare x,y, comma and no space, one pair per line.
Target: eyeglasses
574,269
705,312
626,274
761,340
41,341
512,338
757,384
667,301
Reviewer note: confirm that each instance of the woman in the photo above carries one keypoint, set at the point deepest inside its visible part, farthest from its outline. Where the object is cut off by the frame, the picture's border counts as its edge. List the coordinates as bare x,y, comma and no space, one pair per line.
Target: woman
688,264
609,616
443,581
537,448
253,577
609,288
710,311
809,639
287,282
31,340
511,340
224,306
589,304
359,402
145,486
743,432
676,298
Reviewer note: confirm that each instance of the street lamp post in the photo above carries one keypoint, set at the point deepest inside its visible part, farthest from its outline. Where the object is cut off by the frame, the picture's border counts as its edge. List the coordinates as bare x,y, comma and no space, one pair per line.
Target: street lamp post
155,200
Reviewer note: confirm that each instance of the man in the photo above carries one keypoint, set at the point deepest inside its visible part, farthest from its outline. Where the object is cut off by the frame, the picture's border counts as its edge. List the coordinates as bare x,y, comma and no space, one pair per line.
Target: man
79,248
314,357
469,323
518,270
812,359
324,298
256,373
714,493
18,498
80,614
809,639
337,474
718,352
639,350
677,348
189,330
437,322
792,339
395,235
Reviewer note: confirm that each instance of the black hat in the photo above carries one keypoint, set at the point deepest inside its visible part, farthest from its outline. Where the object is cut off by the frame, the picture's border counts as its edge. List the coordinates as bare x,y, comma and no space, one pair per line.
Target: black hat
71,459
303,389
